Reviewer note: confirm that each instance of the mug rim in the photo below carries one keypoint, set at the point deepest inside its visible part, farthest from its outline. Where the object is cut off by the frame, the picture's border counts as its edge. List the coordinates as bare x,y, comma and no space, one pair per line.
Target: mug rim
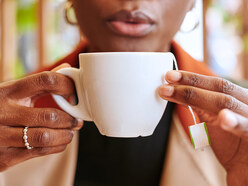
125,53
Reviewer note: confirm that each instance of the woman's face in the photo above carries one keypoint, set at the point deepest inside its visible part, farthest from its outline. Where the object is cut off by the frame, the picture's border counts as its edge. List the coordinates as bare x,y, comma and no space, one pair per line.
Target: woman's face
130,25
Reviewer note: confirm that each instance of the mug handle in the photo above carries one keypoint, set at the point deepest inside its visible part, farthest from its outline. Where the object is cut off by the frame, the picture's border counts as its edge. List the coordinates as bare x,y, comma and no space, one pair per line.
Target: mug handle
80,110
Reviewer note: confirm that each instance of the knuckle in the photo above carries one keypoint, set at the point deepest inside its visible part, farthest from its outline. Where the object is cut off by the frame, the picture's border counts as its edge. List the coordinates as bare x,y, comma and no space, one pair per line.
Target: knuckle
225,86
47,79
194,80
48,116
228,102
43,138
231,103
188,94
63,120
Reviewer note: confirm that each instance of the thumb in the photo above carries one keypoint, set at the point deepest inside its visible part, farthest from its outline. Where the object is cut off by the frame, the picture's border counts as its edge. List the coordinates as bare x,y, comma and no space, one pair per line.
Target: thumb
234,123
64,65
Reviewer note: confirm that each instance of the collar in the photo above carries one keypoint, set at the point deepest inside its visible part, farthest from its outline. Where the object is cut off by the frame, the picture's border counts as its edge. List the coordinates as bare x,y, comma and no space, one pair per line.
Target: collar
187,63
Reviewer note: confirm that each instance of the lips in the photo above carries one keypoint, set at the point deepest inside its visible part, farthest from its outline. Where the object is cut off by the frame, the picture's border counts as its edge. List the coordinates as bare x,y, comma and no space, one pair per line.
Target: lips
130,23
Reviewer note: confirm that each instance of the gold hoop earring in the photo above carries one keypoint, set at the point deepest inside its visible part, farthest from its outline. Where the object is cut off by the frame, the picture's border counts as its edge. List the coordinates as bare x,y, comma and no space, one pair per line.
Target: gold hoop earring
70,16
187,25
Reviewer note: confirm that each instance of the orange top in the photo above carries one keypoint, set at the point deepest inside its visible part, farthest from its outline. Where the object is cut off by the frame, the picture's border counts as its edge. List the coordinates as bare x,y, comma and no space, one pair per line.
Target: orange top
184,60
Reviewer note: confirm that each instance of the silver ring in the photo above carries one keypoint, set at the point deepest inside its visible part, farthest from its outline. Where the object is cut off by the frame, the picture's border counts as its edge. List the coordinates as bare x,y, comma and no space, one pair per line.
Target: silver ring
25,138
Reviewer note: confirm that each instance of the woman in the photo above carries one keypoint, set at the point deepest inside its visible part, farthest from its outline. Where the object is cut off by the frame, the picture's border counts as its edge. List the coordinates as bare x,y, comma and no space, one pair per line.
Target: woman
120,25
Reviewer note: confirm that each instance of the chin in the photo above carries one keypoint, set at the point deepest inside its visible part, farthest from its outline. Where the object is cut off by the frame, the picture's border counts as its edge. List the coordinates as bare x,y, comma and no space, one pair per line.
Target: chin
129,45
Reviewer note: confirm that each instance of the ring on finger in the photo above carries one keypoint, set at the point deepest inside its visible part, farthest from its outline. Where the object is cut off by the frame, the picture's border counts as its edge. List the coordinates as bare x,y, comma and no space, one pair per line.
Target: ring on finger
25,138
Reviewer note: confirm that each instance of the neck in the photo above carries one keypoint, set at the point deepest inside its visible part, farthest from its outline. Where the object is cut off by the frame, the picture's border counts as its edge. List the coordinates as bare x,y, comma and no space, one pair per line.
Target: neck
164,48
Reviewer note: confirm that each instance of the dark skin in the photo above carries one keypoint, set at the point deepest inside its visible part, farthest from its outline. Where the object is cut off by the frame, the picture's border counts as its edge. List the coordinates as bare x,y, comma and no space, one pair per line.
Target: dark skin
51,130
226,116
102,39
223,106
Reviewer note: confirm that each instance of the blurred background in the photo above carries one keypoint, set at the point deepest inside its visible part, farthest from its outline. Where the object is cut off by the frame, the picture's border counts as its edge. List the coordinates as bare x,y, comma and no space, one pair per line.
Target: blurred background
34,33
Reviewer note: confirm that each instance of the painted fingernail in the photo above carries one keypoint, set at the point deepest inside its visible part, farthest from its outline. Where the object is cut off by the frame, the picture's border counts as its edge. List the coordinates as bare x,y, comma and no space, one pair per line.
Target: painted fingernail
173,76
166,90
229,121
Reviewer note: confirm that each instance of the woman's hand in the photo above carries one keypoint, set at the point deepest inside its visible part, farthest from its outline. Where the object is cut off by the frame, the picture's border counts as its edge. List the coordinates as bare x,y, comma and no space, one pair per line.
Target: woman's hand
50,130
224,107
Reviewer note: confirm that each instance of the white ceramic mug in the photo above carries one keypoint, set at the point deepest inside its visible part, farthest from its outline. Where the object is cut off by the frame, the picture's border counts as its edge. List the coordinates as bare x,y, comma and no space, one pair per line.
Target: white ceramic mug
118,91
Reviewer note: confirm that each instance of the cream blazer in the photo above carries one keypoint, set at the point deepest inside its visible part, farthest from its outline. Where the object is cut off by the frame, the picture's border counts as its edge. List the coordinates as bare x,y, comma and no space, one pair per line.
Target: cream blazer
183,165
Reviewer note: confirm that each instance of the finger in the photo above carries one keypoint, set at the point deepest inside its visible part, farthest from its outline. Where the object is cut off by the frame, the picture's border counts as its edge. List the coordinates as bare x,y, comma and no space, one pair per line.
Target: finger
207,82
203,115
203,99
38,117
42,83
37,137
234,123
79,126
64,65
14,156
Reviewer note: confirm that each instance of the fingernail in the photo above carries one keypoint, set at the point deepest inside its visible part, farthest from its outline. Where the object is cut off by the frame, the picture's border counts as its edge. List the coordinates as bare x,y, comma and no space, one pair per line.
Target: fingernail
173,76
79,120
229,121
76,122
72,100
166,90
79,124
